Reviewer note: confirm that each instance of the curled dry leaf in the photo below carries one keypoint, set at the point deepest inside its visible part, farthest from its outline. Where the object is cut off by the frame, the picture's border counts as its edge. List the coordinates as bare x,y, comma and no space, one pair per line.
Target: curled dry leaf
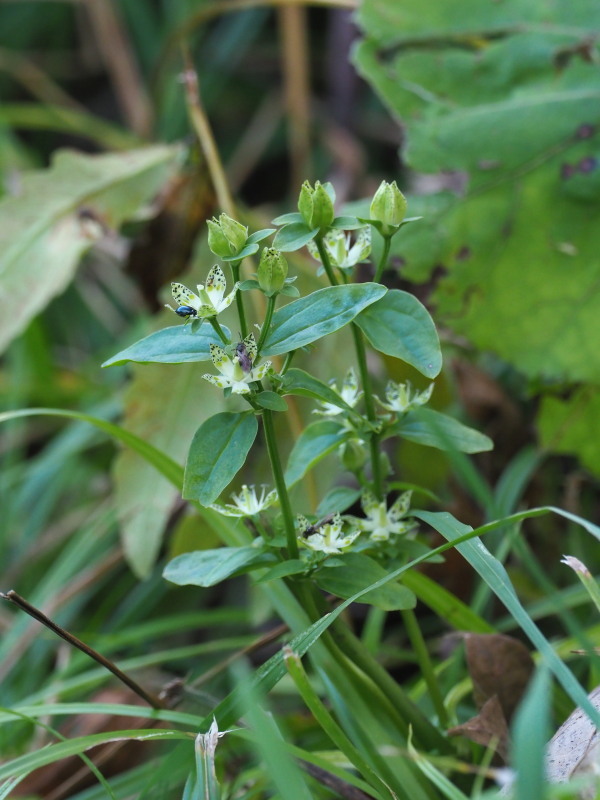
488,728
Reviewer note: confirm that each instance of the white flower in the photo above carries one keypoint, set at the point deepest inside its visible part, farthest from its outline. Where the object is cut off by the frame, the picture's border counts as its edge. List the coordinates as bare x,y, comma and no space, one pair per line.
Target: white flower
380,522
235,373
341,252
349,394
210,299
326,537
246,503
401,396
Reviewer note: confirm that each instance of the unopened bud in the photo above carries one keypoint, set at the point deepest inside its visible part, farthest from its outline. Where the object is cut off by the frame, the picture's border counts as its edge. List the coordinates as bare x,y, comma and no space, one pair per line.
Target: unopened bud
316,206
354,455
226,236
272,271
388,207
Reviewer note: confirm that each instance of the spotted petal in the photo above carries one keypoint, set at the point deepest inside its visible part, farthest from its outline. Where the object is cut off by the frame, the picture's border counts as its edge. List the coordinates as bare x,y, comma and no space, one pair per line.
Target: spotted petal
184,296
215,285
258,373
400,507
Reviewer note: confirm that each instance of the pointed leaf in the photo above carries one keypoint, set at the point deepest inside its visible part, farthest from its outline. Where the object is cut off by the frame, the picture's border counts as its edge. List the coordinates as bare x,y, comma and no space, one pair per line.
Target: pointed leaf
433,429
218,451
315,442
293,236
356,573
310,318
272,401
209,567
175,345
399,325
258,236
297,381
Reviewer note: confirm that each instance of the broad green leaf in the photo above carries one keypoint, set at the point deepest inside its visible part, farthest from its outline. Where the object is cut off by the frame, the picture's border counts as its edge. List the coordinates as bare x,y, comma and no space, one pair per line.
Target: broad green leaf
293,566
218,450
57,215
246,251
258,236
293,236
161,407
445,604
285,219
310,318
347,223
359,571
297,381
434,429
272,401
572,426
209,567
174,345
399,325
315,442
339,499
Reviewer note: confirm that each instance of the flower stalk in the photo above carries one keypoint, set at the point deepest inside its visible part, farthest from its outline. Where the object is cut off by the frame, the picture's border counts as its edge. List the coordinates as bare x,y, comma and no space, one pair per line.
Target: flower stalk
279,480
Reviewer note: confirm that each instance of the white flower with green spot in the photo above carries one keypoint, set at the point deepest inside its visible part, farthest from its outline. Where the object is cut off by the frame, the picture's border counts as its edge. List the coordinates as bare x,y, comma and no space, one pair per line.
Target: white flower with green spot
400,397
247,503
209,301
327,537
380,522
341,251
234,375
349,394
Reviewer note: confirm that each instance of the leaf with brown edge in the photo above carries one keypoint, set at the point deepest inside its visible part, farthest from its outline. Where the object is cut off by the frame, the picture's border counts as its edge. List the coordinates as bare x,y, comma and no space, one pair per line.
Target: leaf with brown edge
487,728
499,665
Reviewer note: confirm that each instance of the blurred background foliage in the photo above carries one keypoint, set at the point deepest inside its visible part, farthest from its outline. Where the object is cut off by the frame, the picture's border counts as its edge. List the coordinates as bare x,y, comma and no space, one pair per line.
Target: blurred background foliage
489,121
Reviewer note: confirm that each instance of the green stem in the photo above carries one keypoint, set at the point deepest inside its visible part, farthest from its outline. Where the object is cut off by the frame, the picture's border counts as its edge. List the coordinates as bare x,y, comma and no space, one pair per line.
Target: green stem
218,329
361,357
324,256
264,331
287,362
418,644
239,300
284,498
387,241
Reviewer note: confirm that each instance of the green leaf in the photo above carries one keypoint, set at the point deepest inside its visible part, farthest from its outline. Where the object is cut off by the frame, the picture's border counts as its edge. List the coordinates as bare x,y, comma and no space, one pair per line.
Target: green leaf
174,345
297,381
284,219
531,731
293,236
434,429
251,283
357,572
310,318
209,567
290,291
218,450
347,223
248,250
293,566
57,215
315,442
399,325
445,604
258,236
272,401
338,499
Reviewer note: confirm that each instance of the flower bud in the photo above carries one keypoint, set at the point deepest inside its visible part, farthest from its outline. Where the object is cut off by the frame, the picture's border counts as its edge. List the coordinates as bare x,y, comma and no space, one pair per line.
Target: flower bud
316,206
354,455
226,236
388,207
272,271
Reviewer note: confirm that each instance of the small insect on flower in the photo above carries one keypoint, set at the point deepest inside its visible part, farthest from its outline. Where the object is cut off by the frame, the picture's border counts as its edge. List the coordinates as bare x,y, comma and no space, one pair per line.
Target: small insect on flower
186,312
245,358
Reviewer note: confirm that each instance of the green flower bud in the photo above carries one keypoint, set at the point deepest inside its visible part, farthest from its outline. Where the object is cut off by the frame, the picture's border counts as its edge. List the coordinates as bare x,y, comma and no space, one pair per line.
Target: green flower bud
272,271
354,455
388,207
316,206
226,236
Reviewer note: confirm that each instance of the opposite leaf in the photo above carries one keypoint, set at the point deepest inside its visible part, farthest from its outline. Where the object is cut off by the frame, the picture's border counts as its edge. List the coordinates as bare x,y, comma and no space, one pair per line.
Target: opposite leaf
314,443
433,429
209,567
174,345
399,325
219,449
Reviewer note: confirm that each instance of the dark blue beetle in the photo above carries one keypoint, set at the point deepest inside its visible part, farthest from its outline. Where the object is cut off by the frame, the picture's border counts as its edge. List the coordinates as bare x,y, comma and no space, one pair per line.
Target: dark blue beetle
186,311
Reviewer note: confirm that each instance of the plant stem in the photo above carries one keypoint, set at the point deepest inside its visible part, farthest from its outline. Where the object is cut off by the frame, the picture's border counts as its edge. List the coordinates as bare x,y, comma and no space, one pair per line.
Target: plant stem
324,256
264,331
278,477
239,300
287,362
418,643
218,329
387,241
361,357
